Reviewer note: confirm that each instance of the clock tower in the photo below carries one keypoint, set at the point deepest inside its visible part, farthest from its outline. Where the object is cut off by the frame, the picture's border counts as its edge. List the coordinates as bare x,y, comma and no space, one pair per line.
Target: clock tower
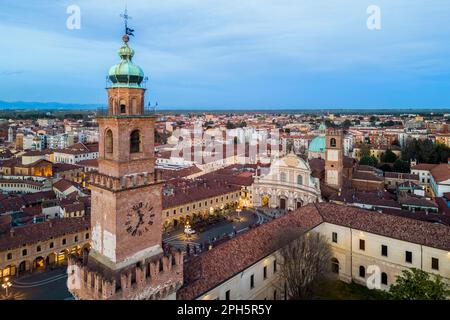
334,157
127,259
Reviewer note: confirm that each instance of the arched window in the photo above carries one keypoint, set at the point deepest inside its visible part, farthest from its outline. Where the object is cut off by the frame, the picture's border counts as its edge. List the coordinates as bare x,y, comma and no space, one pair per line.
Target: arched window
335,265
109,141
332,142
384,278
123,107
300,179
362,272
135,141
283,176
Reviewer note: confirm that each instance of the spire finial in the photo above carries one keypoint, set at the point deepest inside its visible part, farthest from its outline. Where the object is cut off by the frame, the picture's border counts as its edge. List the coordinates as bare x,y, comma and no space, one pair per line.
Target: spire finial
128,31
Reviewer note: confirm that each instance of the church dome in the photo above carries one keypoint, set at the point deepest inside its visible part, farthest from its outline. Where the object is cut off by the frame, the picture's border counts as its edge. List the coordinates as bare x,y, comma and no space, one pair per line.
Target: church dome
317,145
126,74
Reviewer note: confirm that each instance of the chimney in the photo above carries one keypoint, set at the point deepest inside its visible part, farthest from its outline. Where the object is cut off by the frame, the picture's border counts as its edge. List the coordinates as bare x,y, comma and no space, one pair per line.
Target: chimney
11,232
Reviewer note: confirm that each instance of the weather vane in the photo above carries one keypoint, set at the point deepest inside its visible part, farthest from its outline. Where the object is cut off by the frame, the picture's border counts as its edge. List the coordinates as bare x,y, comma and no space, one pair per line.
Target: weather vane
126,17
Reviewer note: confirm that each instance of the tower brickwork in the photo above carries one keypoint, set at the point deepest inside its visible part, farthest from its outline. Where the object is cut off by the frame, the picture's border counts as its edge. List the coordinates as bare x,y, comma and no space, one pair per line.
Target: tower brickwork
334,157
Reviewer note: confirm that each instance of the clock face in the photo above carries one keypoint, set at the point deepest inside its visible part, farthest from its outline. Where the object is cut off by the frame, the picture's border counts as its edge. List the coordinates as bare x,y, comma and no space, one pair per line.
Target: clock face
140,218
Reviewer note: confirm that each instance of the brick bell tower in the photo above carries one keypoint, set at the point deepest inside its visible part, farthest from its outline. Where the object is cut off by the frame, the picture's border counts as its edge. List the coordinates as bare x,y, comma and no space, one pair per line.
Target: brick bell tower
334,157
127,260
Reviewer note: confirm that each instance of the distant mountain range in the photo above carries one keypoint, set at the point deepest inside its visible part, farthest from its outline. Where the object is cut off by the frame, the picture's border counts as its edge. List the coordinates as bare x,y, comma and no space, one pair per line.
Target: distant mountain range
45,106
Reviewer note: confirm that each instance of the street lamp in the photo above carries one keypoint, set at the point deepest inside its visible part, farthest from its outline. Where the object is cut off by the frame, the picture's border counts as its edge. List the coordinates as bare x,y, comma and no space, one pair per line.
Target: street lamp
238,210
6,284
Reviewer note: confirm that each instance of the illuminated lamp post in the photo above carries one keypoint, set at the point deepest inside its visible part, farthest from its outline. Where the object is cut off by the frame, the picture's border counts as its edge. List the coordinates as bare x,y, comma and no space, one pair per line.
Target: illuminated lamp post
6,285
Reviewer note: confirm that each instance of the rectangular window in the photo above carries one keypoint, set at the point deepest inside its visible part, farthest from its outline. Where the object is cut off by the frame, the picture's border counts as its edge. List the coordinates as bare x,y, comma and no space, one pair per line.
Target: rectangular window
227,295
334,237
265,272
252,281
384,250
408,256
362,244
275,266
434,263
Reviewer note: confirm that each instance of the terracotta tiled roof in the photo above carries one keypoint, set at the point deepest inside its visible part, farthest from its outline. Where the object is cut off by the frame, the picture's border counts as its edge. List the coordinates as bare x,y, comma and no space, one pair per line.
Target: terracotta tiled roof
187,191
80,148
42,231
364,175
424,166
33,153
411,230
441,172
62,185
415,201
443,207
88,163
365,168
398,175
168,174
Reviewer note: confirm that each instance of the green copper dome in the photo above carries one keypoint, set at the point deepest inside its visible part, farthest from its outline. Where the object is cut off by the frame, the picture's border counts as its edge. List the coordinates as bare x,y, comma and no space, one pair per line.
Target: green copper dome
317,145
126,74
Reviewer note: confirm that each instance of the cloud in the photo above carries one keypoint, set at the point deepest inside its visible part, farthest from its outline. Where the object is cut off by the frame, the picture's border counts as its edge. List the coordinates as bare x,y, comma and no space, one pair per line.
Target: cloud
230,50
10,72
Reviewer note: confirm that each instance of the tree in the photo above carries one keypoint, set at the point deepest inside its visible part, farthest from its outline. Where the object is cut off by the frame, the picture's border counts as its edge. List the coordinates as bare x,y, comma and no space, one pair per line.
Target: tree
374,119
401,166
385,167
368,161
415,284
305,258
425,151
346,124
365,150
230,125
389,157
329,123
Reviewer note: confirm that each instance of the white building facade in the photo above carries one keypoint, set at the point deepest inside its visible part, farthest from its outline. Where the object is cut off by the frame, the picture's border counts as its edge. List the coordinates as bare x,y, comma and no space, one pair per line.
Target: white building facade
288,185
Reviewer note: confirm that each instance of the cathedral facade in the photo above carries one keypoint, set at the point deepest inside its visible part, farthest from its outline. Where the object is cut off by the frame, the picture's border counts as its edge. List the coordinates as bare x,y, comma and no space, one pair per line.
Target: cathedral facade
288,184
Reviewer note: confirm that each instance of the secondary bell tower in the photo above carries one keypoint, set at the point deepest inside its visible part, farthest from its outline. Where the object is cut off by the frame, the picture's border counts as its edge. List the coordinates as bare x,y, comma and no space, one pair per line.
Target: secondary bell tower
127,259
334,157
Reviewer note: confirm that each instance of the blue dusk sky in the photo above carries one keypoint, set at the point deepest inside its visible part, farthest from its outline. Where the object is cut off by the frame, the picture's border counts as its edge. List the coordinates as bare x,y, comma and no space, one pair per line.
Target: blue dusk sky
242,54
